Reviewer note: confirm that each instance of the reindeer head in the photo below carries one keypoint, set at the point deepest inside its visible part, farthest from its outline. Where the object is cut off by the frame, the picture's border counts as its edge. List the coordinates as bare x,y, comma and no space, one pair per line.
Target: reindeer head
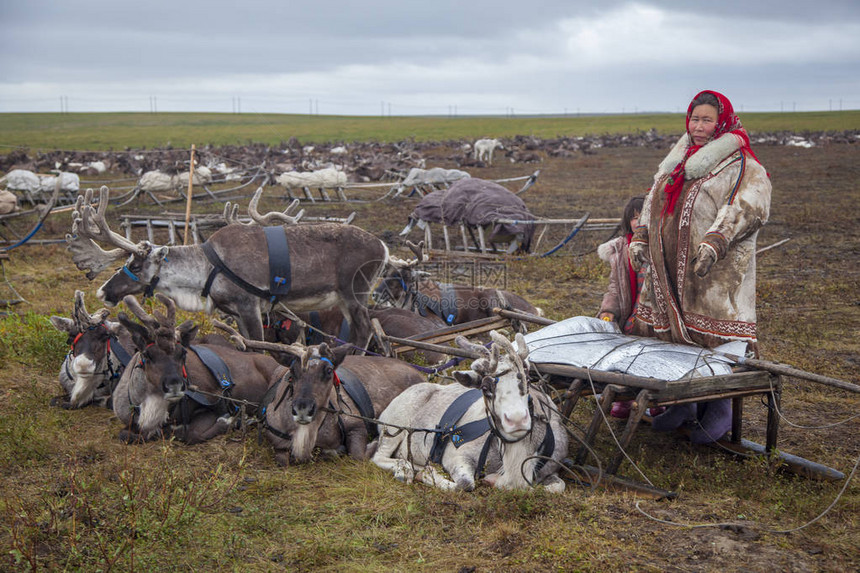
502,375
161,357
402,276
90,227
89,345
313,379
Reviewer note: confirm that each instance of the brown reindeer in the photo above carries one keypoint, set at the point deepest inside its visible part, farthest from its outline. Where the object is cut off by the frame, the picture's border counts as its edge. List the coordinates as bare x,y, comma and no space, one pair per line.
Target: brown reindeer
409,287
330,265
317,403
99,350
168,391
330,326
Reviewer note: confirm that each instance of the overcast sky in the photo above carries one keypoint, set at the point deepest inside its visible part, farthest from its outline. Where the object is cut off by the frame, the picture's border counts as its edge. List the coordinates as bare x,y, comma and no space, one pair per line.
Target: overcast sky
437,57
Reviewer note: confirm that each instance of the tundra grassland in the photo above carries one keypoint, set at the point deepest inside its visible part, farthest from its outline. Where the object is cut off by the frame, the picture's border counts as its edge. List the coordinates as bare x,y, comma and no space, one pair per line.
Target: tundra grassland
103,131
73,498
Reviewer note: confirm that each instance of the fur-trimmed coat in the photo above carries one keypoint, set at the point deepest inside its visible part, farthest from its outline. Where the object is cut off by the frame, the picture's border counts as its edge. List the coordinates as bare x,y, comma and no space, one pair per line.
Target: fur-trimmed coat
617,297
725,201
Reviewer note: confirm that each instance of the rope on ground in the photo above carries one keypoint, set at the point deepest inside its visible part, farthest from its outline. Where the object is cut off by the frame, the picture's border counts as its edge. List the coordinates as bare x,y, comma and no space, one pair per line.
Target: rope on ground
769,530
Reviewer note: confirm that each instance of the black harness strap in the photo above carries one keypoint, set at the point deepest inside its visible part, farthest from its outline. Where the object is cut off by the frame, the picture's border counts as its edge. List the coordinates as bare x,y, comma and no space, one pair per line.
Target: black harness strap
445,308
121,353
447,430
547,446
279,260
219,369
220,267
358,393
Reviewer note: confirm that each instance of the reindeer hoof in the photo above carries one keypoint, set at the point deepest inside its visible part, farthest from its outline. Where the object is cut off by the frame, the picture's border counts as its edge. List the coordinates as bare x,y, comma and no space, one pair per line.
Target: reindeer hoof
129,437
60,402
403,472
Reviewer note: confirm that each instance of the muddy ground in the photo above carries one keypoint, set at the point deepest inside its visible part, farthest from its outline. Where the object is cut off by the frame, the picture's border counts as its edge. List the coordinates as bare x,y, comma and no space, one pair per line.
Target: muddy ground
809,317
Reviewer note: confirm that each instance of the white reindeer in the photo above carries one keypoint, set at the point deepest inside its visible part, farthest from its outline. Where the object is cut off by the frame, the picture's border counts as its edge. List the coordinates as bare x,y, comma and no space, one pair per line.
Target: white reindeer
483,150
524,440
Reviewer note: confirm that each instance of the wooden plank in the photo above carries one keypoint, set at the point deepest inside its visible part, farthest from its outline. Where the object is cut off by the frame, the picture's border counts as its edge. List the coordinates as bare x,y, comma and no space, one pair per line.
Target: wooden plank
451,350
715,385
457,328
447,238
523,316
633,420
481,239
568,371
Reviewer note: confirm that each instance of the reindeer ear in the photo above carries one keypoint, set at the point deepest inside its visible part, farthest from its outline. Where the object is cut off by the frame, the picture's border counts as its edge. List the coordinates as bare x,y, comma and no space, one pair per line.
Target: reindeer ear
113,327
63,324
468,378
139,334
159,253
488,386
339,353
187,331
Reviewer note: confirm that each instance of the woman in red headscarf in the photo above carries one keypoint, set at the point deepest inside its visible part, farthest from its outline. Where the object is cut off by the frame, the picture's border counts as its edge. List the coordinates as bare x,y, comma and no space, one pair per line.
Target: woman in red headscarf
698,230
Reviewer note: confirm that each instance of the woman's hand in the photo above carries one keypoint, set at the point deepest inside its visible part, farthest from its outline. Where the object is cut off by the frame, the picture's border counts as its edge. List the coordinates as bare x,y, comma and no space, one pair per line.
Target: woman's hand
639,255
706,256
607,316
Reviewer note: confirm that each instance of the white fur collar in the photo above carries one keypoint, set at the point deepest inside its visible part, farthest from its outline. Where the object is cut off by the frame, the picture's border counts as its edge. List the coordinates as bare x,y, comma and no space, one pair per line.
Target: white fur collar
704,160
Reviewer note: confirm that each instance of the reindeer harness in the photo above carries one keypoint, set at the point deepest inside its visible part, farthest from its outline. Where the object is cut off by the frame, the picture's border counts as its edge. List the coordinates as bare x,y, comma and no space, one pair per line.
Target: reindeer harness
280,274
447,432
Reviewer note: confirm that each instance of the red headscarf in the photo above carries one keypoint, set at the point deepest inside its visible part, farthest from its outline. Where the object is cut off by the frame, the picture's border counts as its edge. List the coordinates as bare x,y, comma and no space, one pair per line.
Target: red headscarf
727,124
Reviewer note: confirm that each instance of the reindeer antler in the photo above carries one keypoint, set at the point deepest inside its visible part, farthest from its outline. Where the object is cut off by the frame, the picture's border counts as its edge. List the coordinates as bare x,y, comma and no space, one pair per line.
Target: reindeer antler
86,254
273,217
94,225
84,319
486,365
231,214
160,327
244,344
519,354
90,227
417,250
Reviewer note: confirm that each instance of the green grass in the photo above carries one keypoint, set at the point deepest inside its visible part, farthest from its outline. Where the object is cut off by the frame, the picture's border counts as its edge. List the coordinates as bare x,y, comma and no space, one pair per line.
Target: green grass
103,131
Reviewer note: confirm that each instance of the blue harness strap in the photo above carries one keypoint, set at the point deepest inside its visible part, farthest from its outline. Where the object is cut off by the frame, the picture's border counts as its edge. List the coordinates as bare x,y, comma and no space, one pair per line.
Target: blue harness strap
445,308
215,364
219,369
358,393
448,431
280,275
121,353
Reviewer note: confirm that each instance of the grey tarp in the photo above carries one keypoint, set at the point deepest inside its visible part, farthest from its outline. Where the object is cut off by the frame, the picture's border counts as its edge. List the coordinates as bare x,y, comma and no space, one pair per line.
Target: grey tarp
587,342
478,202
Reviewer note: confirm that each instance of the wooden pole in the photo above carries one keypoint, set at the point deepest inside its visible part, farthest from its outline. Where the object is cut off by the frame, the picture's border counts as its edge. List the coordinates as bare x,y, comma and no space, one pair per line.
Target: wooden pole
188,198
785,370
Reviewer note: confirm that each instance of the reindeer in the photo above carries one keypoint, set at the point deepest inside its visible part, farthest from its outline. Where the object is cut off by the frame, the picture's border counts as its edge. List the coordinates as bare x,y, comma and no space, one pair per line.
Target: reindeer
317,402
331,326
329,265
408,287
99,350
514,433
170,392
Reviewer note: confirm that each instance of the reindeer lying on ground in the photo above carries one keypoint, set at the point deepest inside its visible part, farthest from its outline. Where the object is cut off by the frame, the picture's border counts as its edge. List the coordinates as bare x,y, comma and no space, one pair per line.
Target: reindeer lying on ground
409,287
168,391
99,350
321,326
329,264
317,402
514,433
